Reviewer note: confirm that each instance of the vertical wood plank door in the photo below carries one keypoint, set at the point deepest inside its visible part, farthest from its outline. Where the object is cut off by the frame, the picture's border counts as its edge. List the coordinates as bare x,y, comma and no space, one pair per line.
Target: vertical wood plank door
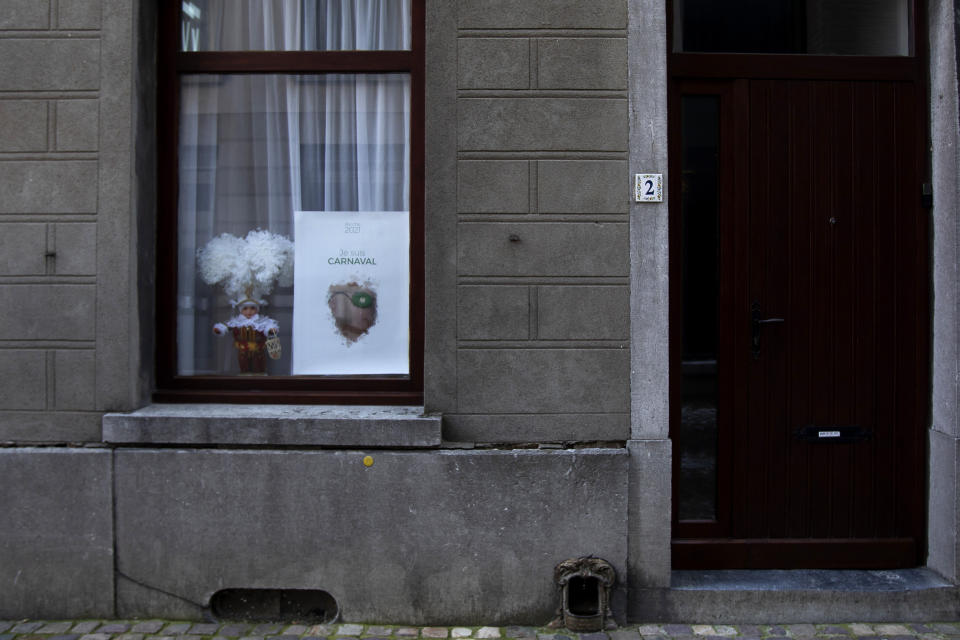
822,314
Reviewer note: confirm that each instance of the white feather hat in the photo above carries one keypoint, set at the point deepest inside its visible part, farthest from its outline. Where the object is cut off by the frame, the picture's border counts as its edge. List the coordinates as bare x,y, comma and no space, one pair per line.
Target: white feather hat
247,268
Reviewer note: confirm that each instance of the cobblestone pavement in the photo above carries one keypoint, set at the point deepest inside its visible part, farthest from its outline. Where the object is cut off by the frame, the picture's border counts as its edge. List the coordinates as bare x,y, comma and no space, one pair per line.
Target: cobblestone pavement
175,630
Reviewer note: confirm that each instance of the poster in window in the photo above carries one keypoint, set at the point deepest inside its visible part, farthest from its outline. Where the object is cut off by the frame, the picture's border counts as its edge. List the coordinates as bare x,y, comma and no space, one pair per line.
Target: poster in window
351,293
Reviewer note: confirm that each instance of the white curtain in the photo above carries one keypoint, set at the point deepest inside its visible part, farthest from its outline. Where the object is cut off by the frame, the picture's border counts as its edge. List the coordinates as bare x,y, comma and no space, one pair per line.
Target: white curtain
254,148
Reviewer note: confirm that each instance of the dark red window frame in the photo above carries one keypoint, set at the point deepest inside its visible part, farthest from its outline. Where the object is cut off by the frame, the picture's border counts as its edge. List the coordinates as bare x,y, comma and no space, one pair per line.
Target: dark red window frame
407,389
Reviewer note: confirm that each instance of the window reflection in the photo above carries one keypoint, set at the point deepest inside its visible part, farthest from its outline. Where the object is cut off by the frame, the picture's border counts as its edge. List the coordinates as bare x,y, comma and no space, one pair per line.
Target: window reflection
817,27
295,25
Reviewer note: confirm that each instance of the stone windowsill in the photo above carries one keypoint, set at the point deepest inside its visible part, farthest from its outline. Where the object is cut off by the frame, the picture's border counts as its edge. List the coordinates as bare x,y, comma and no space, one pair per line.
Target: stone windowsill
274,425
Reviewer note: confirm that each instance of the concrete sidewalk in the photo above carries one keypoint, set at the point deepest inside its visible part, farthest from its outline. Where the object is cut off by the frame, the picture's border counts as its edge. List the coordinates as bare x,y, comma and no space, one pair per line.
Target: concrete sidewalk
176,630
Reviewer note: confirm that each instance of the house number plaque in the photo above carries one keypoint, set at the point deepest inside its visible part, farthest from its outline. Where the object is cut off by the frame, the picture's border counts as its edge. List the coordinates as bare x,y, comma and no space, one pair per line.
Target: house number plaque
649,187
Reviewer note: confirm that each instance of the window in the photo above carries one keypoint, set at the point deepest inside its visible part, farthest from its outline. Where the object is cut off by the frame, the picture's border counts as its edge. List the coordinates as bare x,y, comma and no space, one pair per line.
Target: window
816,27
290,235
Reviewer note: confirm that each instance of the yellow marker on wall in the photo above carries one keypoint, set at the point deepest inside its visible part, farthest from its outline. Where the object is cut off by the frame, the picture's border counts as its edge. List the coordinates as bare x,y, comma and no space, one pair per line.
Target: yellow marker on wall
368,461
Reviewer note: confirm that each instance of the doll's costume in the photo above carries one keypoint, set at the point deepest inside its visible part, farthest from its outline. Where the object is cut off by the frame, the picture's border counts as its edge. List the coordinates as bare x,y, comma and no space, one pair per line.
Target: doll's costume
249,338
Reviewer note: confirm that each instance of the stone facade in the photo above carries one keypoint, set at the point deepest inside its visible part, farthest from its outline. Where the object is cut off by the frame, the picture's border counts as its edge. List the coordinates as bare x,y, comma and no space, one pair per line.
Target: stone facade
547,295
66,136
542,224
944,509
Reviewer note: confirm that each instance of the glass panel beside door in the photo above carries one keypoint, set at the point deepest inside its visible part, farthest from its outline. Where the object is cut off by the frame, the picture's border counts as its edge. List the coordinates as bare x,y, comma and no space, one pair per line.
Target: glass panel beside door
697,439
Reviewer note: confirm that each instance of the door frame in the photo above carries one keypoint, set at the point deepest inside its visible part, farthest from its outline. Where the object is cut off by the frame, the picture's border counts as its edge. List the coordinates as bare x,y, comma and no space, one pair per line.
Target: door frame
697,544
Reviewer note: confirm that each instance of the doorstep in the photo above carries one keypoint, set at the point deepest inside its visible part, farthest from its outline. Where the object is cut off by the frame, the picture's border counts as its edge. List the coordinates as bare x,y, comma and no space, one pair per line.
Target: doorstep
794,596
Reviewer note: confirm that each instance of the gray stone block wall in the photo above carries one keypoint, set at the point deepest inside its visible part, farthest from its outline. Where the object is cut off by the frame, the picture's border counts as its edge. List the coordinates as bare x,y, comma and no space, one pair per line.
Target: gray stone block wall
48,177
56,533
542,14
25,14
66,77
442,537
542,238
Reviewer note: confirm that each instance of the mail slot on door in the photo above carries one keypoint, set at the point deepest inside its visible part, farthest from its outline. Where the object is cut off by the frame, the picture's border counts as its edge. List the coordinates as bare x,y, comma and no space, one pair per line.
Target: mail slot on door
832,433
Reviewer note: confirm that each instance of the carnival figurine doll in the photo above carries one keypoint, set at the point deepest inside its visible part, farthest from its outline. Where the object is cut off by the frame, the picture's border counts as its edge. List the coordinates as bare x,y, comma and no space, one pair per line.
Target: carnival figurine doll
247,269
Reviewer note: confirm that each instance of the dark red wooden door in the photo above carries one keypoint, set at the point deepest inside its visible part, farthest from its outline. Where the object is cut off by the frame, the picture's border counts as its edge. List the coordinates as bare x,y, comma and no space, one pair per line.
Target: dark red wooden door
822,328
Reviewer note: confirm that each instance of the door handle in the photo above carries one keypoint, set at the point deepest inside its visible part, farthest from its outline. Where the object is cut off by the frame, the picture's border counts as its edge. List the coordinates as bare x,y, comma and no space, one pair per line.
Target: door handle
756,323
